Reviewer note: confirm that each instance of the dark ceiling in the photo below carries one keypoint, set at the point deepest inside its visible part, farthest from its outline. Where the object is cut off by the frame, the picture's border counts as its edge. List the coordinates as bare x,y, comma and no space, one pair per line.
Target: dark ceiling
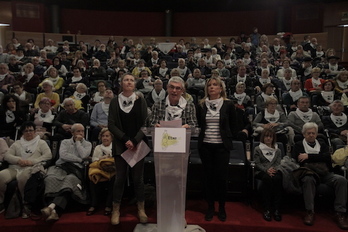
178,5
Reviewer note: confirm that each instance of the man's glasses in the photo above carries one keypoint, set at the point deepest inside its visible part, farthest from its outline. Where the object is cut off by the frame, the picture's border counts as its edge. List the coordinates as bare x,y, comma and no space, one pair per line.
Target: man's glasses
29,131
177,88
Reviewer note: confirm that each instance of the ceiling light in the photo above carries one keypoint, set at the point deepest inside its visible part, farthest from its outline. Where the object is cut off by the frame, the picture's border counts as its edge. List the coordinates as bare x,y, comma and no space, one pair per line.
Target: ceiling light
4,25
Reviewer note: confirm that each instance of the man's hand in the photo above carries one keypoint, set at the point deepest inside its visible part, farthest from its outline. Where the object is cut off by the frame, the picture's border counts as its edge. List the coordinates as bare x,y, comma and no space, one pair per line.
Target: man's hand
302,157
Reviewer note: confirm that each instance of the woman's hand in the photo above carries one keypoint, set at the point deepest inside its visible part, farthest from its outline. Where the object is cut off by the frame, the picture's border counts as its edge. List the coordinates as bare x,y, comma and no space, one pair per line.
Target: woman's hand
130,145
271,171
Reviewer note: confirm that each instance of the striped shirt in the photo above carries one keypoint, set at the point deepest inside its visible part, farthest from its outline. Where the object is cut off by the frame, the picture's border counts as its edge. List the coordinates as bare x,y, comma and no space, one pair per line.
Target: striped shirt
212,132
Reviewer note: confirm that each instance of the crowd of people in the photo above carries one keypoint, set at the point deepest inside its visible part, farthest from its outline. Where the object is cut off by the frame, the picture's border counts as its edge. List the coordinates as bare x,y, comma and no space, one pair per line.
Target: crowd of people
251,89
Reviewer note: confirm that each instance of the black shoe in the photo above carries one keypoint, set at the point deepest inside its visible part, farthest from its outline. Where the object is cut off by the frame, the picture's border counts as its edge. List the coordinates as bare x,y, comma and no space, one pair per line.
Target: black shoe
222,214
277,216
267,215
2,208
209,215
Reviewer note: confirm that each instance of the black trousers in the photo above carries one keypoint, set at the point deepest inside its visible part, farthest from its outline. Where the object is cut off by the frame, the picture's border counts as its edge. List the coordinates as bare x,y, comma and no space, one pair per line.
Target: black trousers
96,192
215,158
271,190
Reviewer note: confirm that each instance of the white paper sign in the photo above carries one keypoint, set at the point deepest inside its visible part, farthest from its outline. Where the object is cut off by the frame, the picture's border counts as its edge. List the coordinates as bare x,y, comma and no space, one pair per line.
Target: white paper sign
170,140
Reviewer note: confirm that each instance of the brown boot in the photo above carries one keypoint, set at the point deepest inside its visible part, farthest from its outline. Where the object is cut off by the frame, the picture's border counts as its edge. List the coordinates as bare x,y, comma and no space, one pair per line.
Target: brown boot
115,216
341,220
309,218
141,212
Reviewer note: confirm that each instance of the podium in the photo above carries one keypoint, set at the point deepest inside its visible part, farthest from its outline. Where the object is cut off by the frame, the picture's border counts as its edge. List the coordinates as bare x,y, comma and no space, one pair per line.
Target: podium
171,153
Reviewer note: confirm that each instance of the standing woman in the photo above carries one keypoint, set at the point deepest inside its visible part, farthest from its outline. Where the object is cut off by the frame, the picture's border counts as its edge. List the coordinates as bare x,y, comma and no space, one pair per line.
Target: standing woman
216,117
127,114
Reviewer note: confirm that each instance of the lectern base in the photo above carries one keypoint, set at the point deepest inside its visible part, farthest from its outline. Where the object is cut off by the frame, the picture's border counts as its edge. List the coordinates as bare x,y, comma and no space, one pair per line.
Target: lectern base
153,228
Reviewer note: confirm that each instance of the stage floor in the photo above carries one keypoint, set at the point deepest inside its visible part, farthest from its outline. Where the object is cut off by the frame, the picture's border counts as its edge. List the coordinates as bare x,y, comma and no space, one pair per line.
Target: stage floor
241,217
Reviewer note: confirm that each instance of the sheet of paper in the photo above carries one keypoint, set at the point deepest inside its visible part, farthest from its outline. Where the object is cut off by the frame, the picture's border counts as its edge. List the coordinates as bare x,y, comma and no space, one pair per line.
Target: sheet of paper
134,156
171,124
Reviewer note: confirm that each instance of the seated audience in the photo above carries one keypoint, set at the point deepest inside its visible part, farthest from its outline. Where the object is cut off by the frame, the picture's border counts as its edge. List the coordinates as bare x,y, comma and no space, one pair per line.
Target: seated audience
25,98
11,116
6,79
48,88
342,82
102,173
267,157
99,95
302,115
157,94
67,117
316,167
99,116
314,84
43,118
71,83
271,118
290,98
66,178
81,97
24,157
96,72
29,79
267,91
58,82
144,83
57,63
337,124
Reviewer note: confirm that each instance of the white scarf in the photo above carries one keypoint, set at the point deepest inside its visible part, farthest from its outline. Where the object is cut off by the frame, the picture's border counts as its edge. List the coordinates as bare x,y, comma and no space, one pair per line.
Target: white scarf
208,60
10,117
105,108
311,150
265,96
276,47
342,85
246,61
328,96
22,96
76,79
106,150
268,152
241,79
174,112
267,68
97,97
308,71
126,103
214,106
320,54
272,118
305,116
264,81
228,62
240,97
29,76
339,120
146,83
45,117
154,61
78,95
333,67
2,76
28,147
163,71
158,97
287,83
54,80
296,95
182,71
316,82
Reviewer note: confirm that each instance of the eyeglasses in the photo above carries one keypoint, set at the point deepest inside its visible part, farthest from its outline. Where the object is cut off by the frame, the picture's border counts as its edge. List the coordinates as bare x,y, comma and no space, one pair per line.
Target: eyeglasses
177,88
28,131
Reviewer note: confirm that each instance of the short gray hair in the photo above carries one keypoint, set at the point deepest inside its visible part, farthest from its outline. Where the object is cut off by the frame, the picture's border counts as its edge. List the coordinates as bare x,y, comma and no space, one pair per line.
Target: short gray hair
66,100
73,127
177,79
309,125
